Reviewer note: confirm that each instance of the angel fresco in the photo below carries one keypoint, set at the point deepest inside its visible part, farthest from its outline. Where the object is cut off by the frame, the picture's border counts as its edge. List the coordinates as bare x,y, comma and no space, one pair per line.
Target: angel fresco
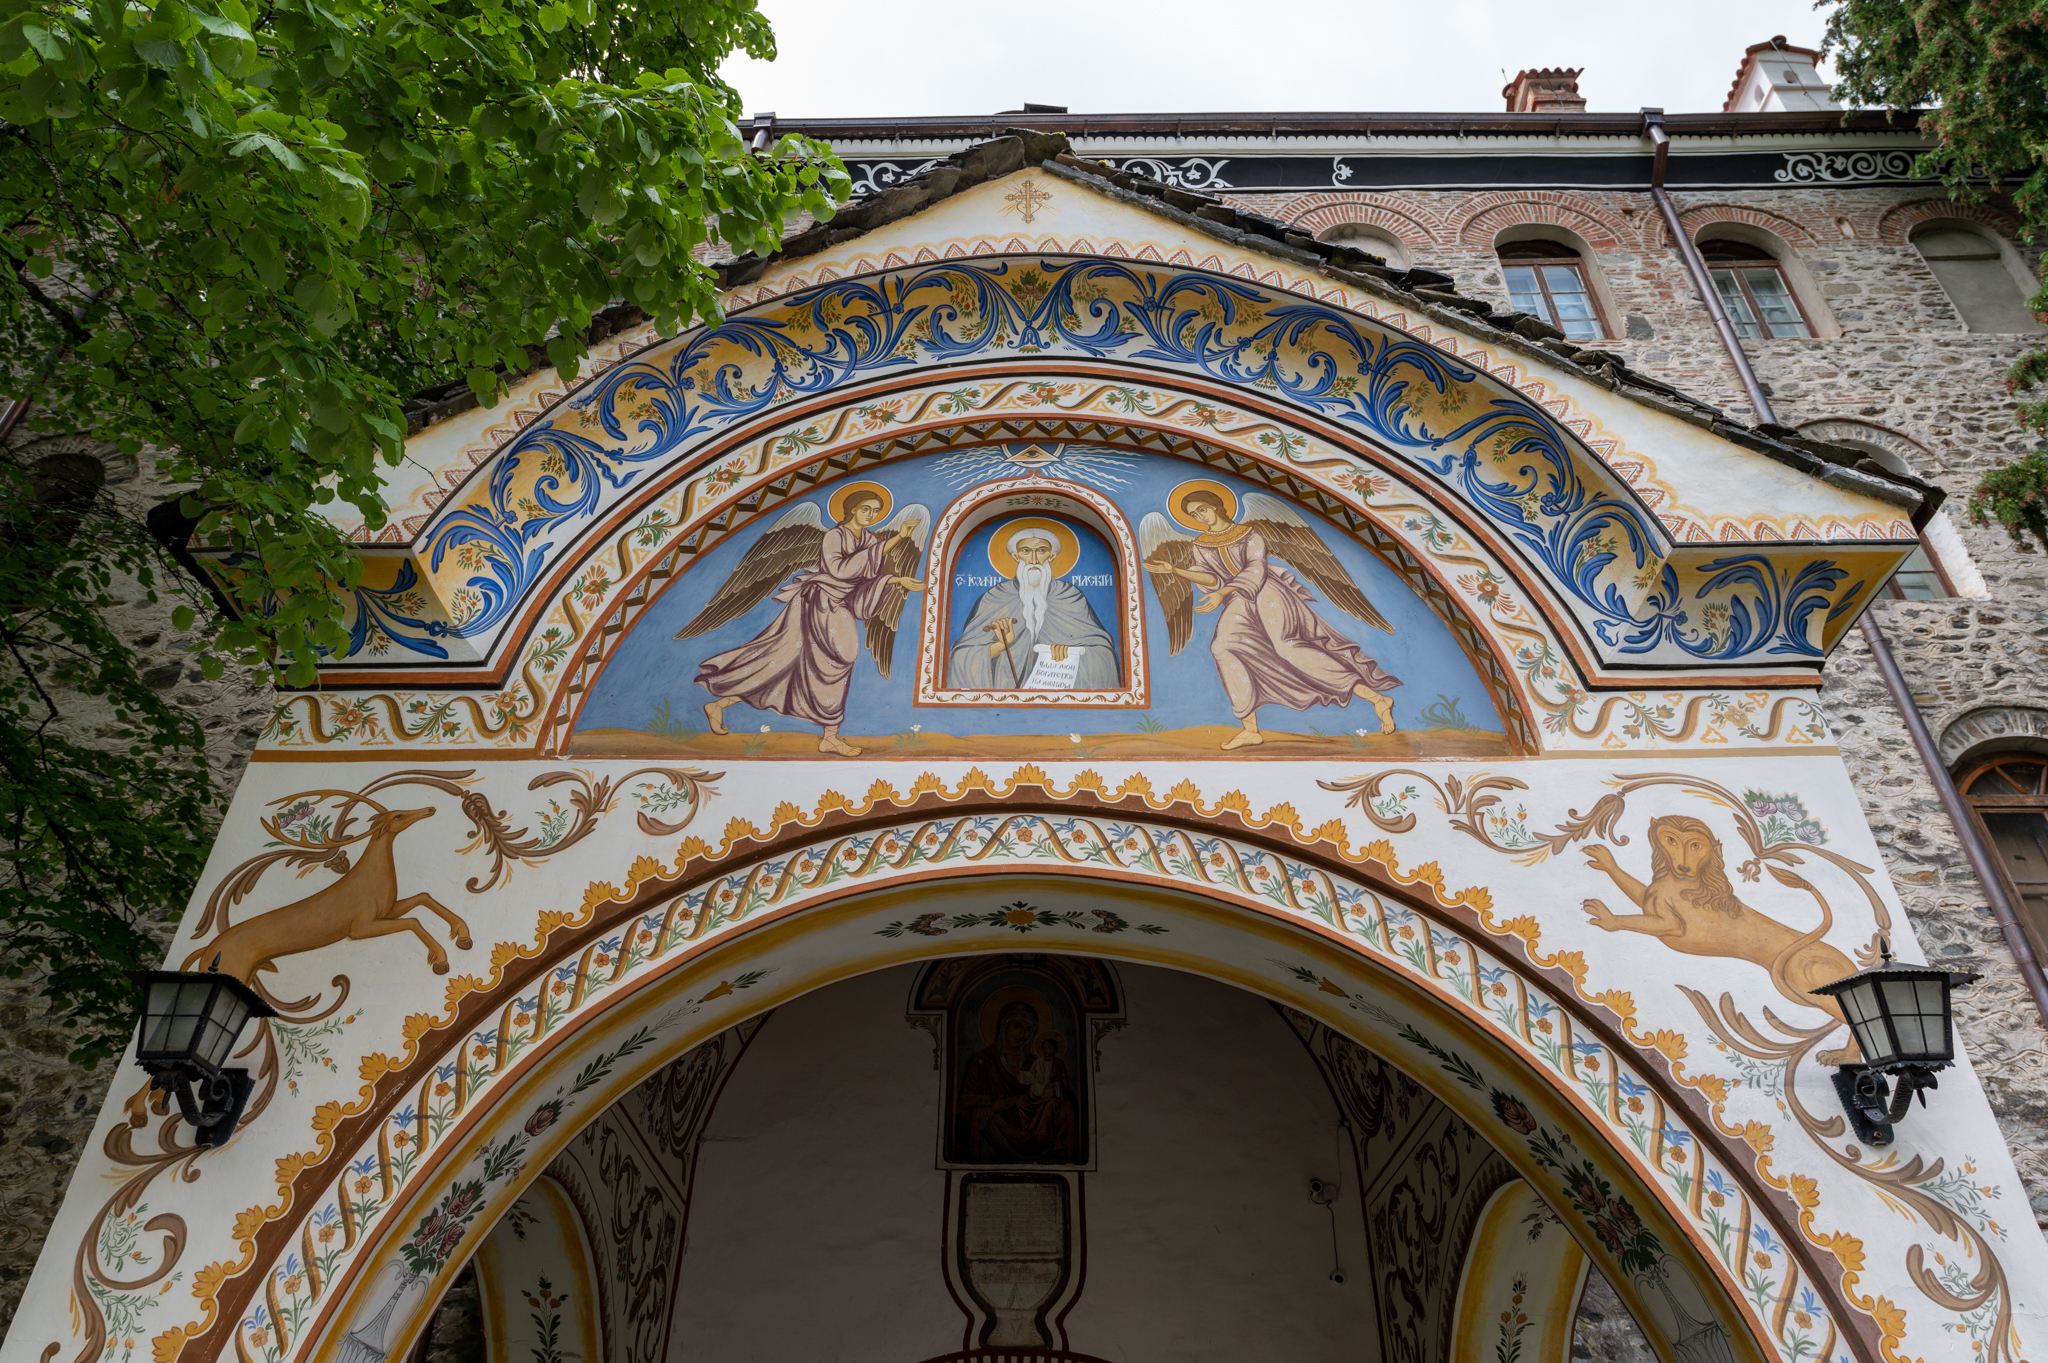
802,663
1270,646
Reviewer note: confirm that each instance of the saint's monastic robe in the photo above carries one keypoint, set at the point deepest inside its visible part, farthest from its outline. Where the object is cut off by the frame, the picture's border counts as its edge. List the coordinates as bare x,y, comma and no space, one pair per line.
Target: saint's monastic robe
1068,619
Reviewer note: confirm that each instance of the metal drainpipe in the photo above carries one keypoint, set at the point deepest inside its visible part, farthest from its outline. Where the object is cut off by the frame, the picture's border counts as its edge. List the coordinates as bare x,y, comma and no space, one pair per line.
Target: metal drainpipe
1653,128
1981,860
1966,827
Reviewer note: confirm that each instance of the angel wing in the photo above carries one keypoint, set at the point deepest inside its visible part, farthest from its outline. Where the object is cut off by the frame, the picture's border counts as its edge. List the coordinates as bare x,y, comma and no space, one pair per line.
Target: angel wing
902,558
1157,539
790,544
1290,537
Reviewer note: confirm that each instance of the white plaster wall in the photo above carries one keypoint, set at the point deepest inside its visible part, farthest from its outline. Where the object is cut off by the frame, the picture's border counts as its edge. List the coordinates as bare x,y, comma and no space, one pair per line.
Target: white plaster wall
815,1216
1202,1241
816,1219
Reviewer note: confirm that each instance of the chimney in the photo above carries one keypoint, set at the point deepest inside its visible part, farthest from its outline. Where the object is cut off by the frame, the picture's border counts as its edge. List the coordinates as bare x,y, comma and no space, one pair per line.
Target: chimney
1548,91
1776,77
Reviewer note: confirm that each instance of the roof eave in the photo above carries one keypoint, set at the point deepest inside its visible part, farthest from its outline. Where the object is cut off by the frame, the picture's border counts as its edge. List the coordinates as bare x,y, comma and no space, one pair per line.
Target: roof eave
978,127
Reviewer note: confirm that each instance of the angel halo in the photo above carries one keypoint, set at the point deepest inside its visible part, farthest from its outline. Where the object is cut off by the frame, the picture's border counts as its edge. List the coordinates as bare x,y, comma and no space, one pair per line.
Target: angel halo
1269,644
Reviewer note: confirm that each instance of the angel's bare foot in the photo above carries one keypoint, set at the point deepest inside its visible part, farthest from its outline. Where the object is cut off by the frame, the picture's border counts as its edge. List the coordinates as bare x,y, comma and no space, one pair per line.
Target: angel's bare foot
714,715
835,744
1246,739
1384,705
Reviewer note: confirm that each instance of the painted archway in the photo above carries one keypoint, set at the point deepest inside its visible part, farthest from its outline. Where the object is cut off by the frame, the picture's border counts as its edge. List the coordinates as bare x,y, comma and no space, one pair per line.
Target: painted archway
1560,1139
1639,607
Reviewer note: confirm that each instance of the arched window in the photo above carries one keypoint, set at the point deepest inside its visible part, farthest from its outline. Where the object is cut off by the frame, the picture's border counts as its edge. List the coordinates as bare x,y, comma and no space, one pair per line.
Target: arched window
1548,279
1981,278
1753,290
1374,240
2008,795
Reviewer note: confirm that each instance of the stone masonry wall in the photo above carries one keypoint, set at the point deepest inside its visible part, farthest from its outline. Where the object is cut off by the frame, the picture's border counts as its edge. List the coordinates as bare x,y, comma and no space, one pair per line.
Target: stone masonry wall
1902,369
47,1105
1902,375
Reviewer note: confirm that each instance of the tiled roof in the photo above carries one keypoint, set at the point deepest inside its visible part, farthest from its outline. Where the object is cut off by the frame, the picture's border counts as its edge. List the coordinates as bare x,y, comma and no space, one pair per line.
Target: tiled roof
1419,290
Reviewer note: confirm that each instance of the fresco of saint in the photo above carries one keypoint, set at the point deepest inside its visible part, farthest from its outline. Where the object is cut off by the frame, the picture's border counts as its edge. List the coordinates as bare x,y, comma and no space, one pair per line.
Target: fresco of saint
802,663
1270,646
1033,631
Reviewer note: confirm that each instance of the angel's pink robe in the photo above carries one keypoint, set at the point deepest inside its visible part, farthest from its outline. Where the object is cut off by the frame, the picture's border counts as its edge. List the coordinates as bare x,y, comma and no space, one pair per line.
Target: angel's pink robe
1269,646
802,663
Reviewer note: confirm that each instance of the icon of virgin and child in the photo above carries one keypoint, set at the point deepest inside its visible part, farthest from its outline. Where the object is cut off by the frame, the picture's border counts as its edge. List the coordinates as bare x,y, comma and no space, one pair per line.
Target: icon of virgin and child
1014,1101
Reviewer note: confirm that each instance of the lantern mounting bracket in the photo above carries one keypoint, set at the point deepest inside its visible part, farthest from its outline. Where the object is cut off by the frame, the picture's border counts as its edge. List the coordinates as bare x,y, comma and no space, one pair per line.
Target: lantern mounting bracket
1870,1102
215,1108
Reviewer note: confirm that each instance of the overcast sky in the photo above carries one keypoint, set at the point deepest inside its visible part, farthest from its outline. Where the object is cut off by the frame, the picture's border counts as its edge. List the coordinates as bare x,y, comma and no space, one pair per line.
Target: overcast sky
851,58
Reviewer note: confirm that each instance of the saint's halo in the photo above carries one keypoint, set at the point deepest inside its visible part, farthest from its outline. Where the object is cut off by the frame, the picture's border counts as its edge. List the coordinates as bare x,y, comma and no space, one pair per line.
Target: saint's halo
1181,518
1066,545
992,1010
836,505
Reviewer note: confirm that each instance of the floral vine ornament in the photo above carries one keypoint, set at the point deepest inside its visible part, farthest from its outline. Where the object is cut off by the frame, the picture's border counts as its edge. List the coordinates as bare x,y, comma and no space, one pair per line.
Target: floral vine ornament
590,800
1780,836
1606,1213
149,1118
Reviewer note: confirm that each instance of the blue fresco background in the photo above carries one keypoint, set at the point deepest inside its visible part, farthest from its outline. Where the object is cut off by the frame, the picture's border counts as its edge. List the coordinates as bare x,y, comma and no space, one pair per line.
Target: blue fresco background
1096,561
652,669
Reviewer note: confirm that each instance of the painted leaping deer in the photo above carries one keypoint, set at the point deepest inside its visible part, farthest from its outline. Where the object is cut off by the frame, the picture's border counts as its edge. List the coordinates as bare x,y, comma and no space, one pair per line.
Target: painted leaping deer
362,904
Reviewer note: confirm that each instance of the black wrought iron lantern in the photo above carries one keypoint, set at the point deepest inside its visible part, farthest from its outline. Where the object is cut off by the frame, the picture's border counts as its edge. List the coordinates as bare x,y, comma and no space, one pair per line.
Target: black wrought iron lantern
190,1022
1904,1025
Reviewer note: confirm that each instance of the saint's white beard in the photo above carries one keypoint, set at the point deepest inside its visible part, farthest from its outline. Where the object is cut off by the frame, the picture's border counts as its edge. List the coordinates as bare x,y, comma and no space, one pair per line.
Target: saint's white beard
1034,584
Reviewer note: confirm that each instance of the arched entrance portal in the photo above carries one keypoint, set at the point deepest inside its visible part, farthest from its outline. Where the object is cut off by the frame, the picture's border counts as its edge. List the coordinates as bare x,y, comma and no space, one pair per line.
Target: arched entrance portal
1431,1009
1159,1166
609,654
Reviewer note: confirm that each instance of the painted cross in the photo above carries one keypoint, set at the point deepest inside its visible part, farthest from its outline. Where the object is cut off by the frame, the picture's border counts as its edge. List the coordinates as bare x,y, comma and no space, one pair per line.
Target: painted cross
1027,198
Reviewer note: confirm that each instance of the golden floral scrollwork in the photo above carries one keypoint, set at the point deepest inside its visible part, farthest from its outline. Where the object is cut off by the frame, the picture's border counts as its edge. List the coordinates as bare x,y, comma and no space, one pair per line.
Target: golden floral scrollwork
323,830
1779,837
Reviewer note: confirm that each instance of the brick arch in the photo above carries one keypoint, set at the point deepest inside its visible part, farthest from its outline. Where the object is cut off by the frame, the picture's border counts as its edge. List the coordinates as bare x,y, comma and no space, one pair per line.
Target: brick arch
1495,213
1788,230
1915,455
1895,227
1320,214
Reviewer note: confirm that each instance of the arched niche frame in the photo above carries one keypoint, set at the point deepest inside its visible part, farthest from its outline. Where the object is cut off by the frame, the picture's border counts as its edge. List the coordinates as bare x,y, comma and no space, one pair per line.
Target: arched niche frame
1420,1013
1500,460
1031,497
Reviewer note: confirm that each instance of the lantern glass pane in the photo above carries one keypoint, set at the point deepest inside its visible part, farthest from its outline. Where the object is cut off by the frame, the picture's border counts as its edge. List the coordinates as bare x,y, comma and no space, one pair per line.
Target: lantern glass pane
1917,1024
178,1030
225,1024
1933,995
1872,1035
187,1010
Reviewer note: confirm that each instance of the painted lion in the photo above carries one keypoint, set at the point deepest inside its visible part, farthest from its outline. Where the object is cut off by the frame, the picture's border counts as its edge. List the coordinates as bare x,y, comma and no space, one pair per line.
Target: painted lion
1690,906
